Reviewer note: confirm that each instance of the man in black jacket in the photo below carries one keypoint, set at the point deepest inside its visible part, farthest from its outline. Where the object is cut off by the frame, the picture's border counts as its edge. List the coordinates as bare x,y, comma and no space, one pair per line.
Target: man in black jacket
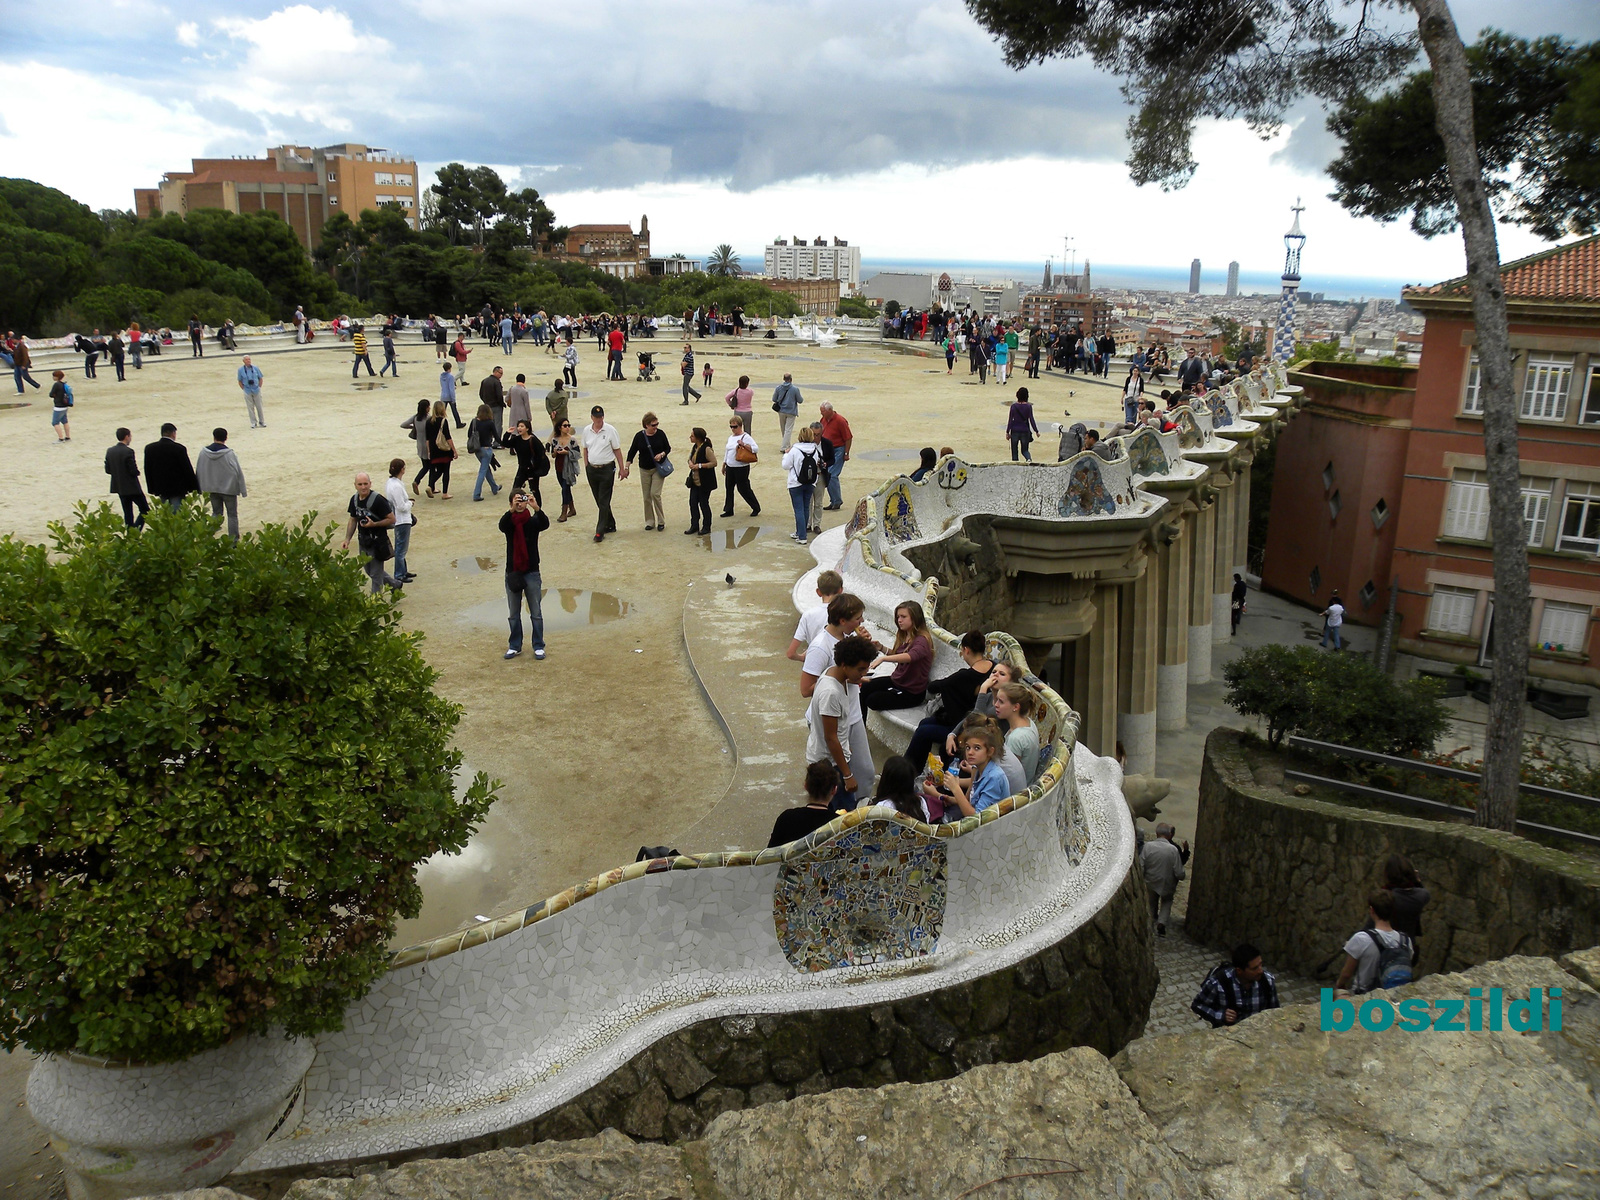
493,393
123,467
167,468
522,526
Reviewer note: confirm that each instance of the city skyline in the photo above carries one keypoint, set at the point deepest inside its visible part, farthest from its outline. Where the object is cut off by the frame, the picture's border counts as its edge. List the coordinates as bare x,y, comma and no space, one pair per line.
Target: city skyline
709,137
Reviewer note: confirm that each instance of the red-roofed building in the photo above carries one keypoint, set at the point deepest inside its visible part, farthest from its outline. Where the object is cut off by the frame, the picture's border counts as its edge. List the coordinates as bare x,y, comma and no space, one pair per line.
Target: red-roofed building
1377,484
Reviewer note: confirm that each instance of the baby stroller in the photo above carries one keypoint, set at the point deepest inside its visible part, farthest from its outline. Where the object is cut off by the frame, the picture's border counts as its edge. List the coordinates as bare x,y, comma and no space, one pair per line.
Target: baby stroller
647,367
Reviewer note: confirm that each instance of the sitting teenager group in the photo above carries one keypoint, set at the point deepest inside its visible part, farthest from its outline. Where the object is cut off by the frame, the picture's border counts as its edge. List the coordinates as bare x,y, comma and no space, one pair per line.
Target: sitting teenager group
978,745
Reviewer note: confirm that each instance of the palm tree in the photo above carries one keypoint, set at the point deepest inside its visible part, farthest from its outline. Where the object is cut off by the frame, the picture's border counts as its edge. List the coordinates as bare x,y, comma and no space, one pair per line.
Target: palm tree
723,261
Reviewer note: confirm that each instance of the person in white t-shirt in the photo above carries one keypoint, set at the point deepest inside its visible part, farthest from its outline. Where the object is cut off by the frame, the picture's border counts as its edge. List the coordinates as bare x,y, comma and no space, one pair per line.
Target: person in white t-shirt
1332,620
844,619
603,466
1363,951
394,491
835,705
829,585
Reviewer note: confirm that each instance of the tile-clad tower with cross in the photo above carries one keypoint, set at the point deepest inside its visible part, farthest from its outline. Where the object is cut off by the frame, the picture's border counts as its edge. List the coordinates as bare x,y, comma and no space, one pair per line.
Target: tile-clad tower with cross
1294,240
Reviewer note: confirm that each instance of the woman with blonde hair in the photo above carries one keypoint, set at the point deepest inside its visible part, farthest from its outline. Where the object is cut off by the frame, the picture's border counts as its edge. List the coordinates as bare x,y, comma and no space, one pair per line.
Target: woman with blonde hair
441,449
912,652
1013,708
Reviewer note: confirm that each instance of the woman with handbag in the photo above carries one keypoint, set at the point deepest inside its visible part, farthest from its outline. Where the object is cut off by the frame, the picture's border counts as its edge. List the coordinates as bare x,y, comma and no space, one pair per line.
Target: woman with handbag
740,400
418,425
566,456
737,459
652,448
481,444
702,481
441,449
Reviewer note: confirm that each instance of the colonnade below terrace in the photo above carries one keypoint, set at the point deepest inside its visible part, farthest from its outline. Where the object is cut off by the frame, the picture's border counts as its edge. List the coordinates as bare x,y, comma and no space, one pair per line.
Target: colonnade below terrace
1115,575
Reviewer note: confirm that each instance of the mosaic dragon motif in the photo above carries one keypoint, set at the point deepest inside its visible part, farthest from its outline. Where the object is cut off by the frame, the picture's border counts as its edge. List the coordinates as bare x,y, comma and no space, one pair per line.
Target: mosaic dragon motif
899,518
858,520
1146,455
1190,436
1220,416
875,893
1086,493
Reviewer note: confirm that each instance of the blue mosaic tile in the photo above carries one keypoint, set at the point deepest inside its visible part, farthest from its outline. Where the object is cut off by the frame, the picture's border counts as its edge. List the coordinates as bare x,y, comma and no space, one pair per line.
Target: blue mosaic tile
1086,491
874,893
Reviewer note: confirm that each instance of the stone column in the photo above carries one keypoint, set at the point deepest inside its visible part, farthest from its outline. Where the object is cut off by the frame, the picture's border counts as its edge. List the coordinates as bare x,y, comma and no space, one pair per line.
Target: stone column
1172,643
1203,529
1095,687
1136,669
1222,567
1241,524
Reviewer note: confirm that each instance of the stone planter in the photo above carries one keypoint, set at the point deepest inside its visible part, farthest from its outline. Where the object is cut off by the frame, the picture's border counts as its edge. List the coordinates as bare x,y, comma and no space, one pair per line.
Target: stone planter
134,1129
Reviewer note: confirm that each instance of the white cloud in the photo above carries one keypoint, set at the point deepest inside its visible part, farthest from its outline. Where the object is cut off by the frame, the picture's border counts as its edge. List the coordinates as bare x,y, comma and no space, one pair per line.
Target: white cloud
312,64
95,136
188,34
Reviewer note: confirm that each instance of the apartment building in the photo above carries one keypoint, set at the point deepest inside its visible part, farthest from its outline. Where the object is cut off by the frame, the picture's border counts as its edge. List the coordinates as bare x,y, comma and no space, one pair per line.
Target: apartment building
304,185
614,249
1066,310
817,260
1382,477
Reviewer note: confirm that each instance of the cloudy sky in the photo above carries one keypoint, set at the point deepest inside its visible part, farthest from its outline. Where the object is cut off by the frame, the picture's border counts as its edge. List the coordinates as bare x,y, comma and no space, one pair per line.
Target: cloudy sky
895,124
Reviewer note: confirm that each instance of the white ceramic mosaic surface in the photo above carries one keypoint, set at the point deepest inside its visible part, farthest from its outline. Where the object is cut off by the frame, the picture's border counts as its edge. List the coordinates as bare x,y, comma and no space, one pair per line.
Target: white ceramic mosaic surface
499,1033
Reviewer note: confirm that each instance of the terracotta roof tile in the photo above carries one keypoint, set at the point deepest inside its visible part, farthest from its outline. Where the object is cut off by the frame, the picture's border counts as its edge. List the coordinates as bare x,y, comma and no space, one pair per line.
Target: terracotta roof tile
1570,272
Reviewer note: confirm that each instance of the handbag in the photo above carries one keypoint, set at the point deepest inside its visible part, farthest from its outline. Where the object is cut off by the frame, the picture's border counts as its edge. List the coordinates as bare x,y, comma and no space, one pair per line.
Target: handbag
664,466
473,444
743,454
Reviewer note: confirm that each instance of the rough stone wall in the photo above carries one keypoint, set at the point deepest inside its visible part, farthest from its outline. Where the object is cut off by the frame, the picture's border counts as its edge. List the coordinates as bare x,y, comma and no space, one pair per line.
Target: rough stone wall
973,597
1291,875
1093,988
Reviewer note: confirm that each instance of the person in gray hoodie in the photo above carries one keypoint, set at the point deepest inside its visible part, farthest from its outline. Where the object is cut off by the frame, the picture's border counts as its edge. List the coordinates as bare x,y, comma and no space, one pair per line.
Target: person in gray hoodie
222,479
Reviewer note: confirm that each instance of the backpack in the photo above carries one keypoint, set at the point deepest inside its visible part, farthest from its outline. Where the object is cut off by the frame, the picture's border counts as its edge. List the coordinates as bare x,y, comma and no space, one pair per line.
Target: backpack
806,472
67,399
1394,962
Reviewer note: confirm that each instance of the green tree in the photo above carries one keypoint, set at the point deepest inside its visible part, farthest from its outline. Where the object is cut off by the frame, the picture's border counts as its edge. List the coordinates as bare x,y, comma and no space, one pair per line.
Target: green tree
528,214
157,263
1536,115
723,261
1251,59
39,272
51,211
213,795
1316,351
1338,698
855,306
113,306
341,248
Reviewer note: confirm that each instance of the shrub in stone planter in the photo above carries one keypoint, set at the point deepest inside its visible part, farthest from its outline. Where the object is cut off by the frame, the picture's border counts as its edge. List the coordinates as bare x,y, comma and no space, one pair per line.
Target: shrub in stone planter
219,767
1336,698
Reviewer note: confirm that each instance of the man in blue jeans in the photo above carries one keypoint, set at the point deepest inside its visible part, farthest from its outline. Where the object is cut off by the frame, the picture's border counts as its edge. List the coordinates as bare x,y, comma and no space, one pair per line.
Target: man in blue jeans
837,431
522,527
1333,622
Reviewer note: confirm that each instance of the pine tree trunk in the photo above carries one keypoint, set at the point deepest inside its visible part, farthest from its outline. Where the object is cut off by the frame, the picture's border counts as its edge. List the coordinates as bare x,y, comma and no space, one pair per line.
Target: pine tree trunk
1452,98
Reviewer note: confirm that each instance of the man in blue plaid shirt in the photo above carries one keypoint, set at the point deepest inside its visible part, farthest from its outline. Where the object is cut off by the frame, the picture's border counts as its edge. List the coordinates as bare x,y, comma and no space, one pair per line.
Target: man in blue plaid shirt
1233,991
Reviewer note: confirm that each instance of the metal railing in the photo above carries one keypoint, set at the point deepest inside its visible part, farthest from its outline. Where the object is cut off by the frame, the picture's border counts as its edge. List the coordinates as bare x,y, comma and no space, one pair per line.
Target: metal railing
1439,771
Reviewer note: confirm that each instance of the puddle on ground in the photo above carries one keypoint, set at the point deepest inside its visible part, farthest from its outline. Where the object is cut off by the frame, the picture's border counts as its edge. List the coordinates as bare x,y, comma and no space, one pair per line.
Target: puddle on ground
473,565
17,404
885,455
932,416
457,888
721,541
368,385
856,362
563,609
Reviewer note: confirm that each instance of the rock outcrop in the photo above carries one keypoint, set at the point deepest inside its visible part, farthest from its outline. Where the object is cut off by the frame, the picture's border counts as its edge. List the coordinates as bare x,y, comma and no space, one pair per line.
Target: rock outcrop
1272,1107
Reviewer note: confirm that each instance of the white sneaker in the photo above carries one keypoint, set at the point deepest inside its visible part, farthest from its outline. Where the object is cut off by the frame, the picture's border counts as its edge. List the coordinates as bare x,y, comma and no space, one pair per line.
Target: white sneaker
539,653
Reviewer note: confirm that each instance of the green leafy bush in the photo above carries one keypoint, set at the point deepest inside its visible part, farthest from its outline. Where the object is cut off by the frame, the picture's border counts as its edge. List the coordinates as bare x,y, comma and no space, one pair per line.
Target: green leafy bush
1333,697
113,306
214,788
211,307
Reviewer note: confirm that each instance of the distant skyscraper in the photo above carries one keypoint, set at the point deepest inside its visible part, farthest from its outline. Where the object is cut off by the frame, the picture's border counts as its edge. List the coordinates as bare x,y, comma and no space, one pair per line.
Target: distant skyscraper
1194,277
1233,279
1294,241
1048,282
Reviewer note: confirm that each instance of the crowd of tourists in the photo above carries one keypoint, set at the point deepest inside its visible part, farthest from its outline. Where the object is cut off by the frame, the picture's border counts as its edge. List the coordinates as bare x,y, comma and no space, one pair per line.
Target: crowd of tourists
975,744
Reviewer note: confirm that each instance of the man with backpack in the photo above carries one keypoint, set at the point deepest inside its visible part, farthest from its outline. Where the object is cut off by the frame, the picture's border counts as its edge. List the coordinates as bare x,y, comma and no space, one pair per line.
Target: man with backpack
1236,989
1379,957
